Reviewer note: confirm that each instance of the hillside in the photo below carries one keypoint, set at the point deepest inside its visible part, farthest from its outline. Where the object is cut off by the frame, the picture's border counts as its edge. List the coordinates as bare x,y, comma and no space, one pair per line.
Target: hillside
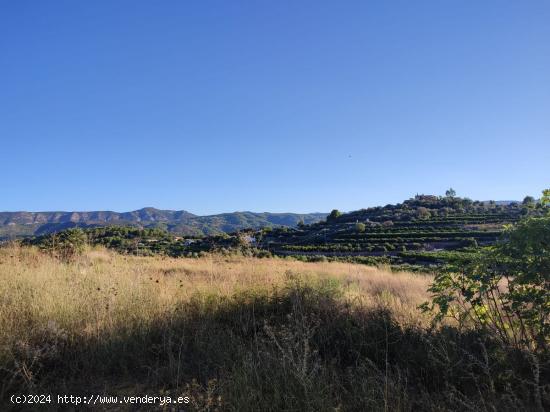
181,222
420,230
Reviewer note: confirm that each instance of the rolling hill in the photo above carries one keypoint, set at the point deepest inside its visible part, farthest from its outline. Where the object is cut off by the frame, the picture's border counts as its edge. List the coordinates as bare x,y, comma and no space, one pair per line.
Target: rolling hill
420,230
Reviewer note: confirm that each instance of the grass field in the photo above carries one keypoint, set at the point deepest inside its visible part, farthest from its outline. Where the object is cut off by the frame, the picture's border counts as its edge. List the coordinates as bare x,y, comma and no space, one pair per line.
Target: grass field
236,333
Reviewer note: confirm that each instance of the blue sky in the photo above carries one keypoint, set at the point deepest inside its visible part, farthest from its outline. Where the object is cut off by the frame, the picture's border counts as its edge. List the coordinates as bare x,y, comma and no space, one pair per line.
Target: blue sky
214,106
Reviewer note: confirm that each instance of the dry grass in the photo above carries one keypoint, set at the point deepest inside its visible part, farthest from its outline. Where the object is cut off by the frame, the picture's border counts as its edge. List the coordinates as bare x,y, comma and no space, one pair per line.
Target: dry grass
244,334
103,290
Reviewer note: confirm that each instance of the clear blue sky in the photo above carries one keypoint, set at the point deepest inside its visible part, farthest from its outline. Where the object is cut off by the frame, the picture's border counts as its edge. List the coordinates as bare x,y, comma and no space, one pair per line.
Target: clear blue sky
303,106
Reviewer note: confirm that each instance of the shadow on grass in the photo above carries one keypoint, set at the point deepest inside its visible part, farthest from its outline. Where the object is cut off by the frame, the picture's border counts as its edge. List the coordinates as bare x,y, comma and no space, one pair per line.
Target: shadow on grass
299,348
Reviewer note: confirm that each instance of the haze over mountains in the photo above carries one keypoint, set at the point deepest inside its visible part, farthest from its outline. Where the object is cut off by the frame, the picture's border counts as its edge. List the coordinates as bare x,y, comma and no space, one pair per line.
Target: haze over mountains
17,224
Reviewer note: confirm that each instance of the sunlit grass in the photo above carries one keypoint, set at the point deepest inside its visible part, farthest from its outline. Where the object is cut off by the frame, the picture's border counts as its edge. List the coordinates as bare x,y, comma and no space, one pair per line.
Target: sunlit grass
102,290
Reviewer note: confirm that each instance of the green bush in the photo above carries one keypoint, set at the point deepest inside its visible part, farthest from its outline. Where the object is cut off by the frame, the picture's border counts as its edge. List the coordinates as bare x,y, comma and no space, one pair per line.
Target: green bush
506,289
65,245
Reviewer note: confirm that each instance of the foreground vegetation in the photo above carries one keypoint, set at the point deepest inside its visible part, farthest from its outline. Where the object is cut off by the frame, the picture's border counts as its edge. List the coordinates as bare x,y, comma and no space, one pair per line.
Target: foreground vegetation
238,333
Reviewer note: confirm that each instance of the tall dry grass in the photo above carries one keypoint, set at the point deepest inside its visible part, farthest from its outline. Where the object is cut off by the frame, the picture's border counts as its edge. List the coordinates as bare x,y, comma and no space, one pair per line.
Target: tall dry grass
238,333
104,290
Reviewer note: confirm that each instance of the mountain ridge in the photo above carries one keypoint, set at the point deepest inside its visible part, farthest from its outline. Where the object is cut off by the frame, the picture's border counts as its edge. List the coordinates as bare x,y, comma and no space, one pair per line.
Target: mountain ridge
23,223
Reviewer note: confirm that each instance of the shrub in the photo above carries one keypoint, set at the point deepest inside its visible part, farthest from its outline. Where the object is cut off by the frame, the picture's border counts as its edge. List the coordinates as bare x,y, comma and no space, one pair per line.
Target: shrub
423,213
65,245
389,246
506,289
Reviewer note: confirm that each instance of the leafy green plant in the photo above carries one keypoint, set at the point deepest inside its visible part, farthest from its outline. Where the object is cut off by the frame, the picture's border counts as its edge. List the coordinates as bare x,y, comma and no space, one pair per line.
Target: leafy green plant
506,289
65,245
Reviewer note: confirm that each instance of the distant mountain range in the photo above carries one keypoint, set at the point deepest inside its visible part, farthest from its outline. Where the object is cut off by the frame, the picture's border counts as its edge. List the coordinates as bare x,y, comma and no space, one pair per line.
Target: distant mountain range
20,224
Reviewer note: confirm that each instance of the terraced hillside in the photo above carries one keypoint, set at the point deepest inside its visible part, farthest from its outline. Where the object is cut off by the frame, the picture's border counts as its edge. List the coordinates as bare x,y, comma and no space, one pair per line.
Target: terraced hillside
418,229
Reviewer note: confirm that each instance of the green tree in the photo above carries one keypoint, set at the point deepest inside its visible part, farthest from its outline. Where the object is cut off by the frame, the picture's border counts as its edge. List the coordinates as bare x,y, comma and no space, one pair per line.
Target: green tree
335,214
529,201
360,227
450,193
